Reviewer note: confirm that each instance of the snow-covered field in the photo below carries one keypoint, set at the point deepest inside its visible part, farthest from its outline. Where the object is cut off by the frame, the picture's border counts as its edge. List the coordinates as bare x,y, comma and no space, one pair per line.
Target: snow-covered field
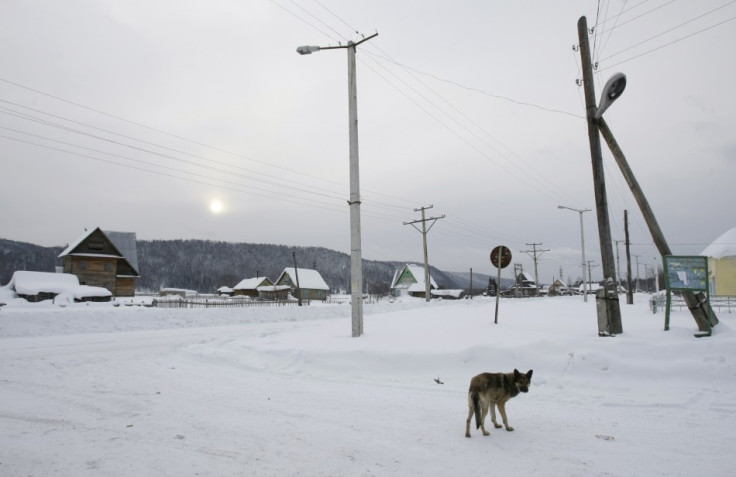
135,391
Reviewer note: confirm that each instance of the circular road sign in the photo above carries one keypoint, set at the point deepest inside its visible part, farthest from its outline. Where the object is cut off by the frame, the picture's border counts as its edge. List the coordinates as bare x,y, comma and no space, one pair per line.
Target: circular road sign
505,255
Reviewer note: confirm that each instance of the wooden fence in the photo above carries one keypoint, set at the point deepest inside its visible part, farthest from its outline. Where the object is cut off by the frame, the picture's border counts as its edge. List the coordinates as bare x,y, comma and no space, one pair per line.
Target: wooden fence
177,302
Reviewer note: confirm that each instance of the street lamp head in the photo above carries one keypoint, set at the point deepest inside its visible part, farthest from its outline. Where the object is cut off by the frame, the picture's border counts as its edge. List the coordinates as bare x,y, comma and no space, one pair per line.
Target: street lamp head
614,87
307,50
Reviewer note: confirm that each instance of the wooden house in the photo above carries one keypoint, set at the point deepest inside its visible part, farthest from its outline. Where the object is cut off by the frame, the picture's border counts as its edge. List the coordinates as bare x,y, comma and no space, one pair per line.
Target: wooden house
558,288
97,260
311,284
409,281
249,286
722,264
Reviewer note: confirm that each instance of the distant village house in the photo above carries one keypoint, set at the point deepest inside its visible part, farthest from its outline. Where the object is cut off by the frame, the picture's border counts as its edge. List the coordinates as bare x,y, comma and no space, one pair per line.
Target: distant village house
409,281
249,286
311,284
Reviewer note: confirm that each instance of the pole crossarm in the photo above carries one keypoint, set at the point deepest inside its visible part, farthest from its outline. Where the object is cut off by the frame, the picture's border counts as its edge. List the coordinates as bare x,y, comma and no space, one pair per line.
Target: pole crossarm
308,50
433,219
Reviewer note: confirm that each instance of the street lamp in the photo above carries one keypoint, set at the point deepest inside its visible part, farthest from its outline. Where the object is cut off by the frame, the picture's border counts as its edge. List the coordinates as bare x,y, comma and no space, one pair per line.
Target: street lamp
582,246
356,260
611,91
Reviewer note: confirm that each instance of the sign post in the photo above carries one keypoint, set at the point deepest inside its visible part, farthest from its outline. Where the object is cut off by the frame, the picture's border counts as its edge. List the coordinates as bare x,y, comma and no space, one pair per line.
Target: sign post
500,258
688,274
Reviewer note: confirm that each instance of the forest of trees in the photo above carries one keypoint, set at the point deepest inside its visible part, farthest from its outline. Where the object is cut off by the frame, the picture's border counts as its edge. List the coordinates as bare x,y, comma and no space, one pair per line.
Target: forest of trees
206,265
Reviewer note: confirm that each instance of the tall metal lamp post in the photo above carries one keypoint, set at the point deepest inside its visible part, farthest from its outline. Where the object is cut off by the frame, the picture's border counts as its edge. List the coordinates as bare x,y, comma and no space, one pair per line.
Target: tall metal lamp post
582,246
356,260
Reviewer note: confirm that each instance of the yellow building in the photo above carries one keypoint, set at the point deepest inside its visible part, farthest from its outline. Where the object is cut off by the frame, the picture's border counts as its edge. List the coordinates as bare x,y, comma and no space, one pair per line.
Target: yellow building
722,264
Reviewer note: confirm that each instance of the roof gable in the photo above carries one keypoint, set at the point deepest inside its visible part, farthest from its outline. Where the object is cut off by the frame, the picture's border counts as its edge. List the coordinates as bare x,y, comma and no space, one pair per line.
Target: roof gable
413,277
94,242
98,242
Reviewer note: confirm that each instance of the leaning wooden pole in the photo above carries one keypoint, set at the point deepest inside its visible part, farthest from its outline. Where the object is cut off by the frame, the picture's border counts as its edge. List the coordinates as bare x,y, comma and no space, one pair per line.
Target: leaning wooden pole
609,319
694,302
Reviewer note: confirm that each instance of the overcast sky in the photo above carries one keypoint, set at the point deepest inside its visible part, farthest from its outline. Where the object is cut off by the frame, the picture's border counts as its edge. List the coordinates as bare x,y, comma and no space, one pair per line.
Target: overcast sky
138,115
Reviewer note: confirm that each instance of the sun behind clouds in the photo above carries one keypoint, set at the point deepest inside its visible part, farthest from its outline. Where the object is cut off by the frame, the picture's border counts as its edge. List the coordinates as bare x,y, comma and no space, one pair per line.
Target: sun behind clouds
216,207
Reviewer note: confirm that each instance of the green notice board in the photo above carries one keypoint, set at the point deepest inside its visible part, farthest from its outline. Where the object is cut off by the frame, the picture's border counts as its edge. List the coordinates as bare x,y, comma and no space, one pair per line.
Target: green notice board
685,273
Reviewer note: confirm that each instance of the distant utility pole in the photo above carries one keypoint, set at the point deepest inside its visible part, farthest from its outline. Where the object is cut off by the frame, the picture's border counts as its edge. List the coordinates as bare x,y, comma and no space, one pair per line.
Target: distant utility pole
589,275
423,231
618,265
296,275
638,284
518,272
629,291
534,253
471,283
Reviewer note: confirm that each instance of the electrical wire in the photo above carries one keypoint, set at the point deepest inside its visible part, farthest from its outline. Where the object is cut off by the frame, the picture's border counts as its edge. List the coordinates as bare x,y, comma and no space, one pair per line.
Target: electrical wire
669,43
669,30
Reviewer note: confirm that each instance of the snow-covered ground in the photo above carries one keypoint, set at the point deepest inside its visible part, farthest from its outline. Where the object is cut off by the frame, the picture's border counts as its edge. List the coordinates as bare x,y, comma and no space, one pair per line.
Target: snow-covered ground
135,391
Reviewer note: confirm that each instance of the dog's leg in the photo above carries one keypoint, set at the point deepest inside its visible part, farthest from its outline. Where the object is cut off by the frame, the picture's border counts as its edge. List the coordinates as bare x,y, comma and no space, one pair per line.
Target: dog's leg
493,415
502,410
471,411
483,420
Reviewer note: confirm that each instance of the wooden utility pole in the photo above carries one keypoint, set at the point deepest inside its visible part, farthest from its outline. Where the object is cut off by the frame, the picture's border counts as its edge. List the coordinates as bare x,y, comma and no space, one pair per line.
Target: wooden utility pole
423,231
629,291
296,276
518,277
609,319
694,302
534,254
471,283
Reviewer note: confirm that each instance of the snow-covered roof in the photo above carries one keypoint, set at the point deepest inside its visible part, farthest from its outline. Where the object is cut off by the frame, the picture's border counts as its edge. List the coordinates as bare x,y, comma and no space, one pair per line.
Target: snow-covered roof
418,274
126,244
308,279
452,293
252,283
723,246
33,283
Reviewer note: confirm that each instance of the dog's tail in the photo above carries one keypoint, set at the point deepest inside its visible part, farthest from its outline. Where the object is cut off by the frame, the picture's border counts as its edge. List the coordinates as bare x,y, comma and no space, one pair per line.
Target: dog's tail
475,396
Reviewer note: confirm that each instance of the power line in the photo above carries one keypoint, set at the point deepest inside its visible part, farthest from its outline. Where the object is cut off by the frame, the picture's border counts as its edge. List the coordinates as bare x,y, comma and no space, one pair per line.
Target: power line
478,90
668,44
669,30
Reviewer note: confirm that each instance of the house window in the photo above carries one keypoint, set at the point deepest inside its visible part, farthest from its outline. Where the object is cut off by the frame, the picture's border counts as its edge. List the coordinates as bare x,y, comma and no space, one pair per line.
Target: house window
95,246
82,265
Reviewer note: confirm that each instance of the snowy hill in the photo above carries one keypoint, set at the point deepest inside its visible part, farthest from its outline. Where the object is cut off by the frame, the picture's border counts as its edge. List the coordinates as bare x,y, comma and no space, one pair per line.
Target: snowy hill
206,265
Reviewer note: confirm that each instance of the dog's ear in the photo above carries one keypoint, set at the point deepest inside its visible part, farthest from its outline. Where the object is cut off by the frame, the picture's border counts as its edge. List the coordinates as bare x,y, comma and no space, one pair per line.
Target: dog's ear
517,374
529,374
